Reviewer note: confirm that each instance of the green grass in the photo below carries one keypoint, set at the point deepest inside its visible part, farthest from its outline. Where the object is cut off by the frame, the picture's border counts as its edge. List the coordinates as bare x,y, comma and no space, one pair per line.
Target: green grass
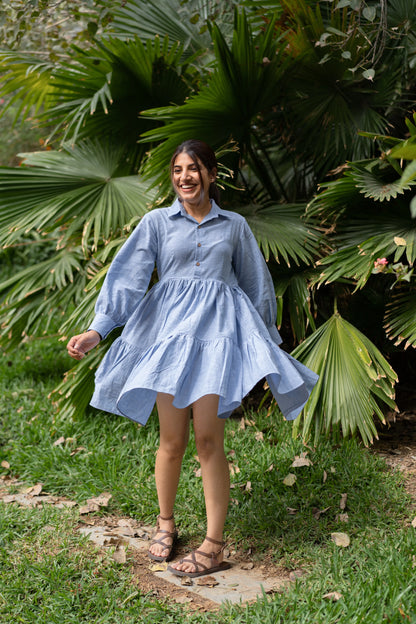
49,573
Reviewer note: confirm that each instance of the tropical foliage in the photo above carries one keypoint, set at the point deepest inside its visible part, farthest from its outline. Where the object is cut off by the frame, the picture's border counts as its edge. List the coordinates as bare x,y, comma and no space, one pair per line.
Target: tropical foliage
286,92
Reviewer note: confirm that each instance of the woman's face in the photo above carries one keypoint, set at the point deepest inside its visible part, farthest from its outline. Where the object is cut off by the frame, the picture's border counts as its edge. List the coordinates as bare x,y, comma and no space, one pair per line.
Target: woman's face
191,180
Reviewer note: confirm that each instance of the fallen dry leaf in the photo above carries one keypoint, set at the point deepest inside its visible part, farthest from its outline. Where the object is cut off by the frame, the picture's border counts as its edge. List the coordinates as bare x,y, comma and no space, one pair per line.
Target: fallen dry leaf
102,500
159,567
207,581
317,513
90,508
259,436
342,517
247,566
77,450
33,490
242,424
325,477
343,501
341,539
301,461
249,422
334,596
36,490
290,479
291,511
9,498
234,469
119,555
414,522
5,464
59,441
186,580
248,486
198,472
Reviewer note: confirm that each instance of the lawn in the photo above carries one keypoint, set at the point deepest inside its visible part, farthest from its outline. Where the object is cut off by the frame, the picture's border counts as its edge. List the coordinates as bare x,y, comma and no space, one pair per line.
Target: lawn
50,573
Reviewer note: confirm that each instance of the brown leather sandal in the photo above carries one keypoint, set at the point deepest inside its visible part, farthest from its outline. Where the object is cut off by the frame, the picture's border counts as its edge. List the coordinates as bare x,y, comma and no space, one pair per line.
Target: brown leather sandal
200,568
167,535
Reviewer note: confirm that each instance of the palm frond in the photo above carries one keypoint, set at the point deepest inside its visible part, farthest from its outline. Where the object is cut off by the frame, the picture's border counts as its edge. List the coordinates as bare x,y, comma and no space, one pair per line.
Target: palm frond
293,294
136,18
355,381
38,294
400,318
281,231
83,188
72,396
102,91
356,261
372,183
26,80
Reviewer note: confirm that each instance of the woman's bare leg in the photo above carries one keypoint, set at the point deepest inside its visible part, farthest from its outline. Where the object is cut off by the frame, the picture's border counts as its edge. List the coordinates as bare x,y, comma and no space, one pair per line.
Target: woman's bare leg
174,435
209,438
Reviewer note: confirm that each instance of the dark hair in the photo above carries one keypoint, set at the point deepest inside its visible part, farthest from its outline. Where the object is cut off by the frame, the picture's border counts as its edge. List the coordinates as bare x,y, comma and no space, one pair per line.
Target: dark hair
198,150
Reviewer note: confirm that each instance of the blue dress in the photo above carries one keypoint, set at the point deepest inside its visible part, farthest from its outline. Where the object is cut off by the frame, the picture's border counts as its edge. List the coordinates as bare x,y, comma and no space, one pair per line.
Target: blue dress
206,327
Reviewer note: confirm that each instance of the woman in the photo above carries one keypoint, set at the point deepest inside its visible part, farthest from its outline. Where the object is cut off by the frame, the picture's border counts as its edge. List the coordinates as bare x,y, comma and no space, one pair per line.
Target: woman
202,337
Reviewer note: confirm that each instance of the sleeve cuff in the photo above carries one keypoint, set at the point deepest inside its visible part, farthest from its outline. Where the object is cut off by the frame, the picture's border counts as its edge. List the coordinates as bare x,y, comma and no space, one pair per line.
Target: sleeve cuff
274,334
102,324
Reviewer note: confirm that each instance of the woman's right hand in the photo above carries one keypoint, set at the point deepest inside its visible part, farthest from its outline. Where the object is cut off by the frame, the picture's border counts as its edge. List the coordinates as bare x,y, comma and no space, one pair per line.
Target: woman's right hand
79,345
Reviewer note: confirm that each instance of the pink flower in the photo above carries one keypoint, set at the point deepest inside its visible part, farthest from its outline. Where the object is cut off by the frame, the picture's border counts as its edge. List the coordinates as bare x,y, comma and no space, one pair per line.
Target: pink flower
380,263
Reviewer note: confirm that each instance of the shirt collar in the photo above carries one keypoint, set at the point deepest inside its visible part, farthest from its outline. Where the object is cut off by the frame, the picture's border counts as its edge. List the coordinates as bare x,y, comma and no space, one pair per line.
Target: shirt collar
177,210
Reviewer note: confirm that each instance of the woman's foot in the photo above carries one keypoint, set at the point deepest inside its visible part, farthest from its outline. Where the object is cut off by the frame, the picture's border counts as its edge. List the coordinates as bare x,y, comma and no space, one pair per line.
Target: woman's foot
161,546
207,559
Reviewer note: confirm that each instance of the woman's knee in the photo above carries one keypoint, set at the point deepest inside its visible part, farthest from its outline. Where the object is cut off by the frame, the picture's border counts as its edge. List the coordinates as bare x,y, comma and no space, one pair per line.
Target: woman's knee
173,448
208,445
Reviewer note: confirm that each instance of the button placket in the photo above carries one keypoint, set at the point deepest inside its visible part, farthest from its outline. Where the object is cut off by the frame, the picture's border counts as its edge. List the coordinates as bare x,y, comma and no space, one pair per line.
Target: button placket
198,255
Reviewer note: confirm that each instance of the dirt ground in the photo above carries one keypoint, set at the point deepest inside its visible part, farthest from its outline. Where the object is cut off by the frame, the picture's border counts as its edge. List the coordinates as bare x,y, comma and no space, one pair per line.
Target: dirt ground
397,441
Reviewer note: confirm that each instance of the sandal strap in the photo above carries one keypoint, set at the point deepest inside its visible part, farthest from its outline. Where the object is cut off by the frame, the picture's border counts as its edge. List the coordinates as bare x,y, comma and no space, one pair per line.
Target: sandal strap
209,539
192,559
162,518
161,539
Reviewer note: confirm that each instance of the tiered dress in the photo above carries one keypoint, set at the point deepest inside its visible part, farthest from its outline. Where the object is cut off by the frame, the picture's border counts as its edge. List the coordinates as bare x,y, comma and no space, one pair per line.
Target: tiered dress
206,327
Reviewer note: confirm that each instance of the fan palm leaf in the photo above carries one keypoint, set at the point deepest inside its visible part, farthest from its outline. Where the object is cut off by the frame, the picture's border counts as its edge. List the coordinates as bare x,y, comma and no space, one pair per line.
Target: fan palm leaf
145,19
355,381
103,91
35,296
281,231
400,318
81,189
72,396
26,82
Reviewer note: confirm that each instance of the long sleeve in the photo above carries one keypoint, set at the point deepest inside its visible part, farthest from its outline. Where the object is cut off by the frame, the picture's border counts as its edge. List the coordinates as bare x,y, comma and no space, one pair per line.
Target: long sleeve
127,279
254,279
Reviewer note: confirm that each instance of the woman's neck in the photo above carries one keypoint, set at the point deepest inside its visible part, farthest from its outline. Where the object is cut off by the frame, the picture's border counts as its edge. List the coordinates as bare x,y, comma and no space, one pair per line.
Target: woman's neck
198,211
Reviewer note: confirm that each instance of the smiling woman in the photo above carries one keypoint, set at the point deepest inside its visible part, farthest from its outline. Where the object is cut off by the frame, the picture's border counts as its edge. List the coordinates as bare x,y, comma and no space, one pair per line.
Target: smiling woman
193,173
201,338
